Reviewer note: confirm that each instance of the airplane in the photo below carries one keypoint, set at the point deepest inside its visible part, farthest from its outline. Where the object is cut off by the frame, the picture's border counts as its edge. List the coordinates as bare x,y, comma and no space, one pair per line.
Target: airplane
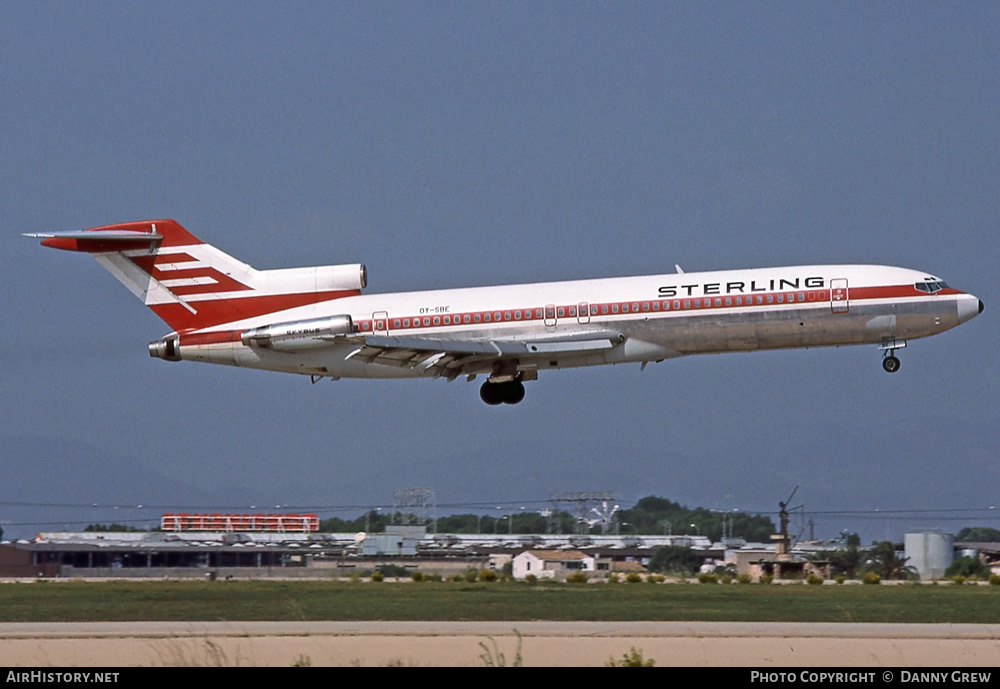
315,321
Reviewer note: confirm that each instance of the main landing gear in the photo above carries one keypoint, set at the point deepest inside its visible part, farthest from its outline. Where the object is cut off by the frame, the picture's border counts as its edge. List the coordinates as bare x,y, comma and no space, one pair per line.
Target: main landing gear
509,392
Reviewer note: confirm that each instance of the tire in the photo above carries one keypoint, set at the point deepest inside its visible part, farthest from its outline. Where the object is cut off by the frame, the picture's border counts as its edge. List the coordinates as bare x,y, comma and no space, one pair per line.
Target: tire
890,364
514,392
491,393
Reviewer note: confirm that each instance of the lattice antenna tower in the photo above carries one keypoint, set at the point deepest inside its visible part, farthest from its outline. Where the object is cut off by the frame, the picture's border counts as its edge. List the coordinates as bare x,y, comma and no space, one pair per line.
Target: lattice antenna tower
415,507
584,504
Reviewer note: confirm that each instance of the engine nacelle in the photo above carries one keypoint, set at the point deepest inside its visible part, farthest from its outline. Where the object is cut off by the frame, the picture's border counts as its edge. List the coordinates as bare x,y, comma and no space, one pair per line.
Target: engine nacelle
347,277
166,348
315,332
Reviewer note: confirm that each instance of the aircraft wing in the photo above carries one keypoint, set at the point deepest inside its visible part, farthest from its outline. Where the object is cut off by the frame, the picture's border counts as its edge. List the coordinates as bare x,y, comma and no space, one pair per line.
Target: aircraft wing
451,357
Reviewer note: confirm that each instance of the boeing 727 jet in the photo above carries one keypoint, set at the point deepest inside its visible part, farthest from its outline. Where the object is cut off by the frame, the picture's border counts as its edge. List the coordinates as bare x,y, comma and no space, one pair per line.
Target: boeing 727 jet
316,322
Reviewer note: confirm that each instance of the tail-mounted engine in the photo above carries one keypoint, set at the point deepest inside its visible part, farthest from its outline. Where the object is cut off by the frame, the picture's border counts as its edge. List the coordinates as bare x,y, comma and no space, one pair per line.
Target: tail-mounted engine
166,348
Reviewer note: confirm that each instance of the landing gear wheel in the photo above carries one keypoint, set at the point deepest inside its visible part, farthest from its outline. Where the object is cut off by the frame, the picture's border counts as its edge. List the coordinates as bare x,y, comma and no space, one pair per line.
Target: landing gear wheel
890,364
514,392
491,393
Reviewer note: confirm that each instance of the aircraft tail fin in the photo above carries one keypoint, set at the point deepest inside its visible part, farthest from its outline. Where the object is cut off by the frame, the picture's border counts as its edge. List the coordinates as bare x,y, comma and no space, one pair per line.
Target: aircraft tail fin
192,285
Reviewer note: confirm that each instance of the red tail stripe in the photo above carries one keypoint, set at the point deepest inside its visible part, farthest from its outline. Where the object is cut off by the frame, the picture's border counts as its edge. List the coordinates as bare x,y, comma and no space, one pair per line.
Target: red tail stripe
218,311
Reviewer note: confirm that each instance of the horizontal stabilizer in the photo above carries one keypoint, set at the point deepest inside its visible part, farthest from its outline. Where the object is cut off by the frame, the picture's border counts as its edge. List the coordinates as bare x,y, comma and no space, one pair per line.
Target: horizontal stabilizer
104,235
98,241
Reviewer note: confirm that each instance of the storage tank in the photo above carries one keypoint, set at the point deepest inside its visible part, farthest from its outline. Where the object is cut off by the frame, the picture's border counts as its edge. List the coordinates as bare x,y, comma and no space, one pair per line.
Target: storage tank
929,553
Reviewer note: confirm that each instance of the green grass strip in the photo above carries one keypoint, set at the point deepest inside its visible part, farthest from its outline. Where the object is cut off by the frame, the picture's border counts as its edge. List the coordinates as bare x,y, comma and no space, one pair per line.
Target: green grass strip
289,601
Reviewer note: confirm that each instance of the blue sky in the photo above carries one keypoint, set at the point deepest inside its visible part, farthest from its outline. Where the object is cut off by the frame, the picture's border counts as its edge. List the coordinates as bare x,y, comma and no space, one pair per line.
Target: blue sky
458,144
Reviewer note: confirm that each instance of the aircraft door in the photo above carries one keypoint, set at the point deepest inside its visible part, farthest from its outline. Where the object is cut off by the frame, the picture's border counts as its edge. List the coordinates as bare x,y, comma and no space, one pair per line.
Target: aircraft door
380,323
583,312
839,296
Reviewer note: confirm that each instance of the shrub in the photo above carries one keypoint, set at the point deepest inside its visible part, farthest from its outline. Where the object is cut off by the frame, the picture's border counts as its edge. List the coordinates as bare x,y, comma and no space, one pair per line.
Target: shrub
744,578
377,576
457,578
391,570
968,567
417,576
871,578
488,575
814,580
633,578
705,578
471,576
613,578
531,578
766,578
577,578
995,580
958,580
492,657
840,579
432,576
631,659
655,578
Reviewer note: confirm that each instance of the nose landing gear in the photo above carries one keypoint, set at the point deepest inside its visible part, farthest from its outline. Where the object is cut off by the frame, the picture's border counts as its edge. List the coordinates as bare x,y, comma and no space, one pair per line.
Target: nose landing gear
890,363
889,345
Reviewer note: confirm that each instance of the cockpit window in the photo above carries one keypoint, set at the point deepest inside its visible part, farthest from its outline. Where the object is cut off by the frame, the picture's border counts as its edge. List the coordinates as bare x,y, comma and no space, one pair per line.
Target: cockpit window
930,286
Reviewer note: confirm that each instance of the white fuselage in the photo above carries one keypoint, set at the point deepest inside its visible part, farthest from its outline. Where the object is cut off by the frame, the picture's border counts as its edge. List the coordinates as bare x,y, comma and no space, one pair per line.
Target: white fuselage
647,318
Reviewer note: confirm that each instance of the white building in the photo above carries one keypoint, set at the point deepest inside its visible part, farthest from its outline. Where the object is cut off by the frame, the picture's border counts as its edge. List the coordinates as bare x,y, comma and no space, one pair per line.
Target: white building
552,564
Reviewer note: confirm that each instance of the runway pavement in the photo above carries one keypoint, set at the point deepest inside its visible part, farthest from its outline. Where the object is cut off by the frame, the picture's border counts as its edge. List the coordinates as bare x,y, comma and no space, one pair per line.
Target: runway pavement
758,645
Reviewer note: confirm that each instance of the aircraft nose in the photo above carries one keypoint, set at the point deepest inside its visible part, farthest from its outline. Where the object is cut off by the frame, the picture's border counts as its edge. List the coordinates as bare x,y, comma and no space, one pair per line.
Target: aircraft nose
969,307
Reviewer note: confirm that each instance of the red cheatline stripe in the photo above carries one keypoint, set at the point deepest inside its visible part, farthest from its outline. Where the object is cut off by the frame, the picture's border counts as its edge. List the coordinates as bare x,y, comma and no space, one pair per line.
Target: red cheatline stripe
811,299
